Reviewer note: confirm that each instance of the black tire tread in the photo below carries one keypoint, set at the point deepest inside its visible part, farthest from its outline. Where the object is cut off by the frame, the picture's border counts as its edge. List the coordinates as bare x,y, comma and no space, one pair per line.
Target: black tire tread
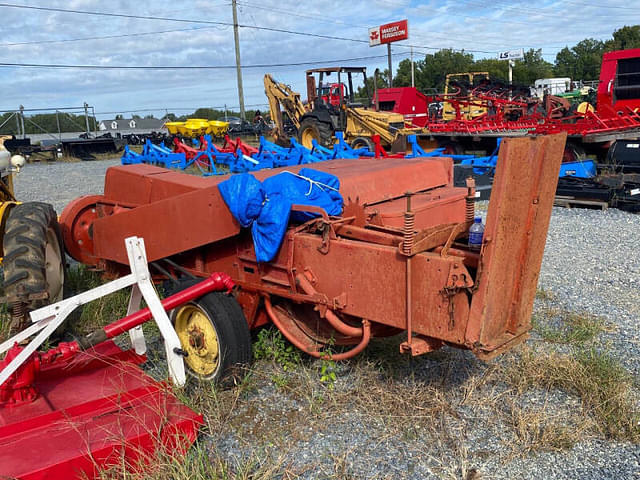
236,341
24,245
323,129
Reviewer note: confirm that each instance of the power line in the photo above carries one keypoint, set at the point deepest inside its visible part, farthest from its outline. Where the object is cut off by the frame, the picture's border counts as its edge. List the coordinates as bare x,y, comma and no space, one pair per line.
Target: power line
211,22
189,67
105,37
172,19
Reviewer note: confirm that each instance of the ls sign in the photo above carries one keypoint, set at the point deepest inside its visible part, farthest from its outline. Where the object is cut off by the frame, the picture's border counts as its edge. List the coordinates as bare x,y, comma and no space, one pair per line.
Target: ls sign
391,32
511,55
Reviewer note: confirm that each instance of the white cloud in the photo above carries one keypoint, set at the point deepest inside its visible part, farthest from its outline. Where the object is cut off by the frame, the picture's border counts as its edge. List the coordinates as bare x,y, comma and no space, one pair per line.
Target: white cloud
469,24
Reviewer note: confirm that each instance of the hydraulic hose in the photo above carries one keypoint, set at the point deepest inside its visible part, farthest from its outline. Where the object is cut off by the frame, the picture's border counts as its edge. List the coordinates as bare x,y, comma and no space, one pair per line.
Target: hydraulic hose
331,317
364,341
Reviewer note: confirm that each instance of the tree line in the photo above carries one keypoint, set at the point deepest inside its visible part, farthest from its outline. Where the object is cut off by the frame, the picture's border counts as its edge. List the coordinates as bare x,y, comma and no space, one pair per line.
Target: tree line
580,62
45,123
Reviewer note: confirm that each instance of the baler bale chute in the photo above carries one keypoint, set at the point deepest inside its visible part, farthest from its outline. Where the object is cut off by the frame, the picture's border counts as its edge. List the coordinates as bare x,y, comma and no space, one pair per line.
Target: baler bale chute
395,260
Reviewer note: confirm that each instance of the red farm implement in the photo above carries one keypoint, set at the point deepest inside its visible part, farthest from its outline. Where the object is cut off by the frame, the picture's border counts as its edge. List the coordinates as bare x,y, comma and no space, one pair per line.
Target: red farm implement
395,259
85,405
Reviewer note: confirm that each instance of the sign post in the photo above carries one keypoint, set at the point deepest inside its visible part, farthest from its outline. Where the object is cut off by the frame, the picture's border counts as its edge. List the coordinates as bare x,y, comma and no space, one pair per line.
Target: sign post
510,56
388,33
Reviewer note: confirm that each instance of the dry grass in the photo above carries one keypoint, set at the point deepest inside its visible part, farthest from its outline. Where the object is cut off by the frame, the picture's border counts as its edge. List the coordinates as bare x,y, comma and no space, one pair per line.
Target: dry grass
604,387
428,404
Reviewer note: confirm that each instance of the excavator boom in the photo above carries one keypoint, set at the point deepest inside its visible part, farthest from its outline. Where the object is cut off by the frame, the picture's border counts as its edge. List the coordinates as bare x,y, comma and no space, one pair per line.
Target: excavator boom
282,99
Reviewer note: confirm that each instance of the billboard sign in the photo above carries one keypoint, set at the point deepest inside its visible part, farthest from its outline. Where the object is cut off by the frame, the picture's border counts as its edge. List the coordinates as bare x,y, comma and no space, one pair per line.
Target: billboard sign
390,32
511,55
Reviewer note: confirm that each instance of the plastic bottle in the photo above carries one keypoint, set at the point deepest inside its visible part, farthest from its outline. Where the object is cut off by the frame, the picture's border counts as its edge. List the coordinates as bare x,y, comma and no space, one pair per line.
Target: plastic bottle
475,234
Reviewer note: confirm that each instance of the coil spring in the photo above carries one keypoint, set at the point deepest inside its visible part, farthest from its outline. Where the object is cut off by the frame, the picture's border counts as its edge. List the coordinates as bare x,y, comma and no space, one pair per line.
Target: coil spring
18,313
470,210
408,231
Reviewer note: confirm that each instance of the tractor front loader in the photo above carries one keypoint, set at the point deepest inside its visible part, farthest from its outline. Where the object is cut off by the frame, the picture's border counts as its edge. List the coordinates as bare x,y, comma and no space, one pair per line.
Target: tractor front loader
33,261
396,259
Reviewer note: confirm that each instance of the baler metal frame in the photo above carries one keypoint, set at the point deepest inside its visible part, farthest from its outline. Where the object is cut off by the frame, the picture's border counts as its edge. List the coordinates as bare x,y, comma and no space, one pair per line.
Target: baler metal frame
400,248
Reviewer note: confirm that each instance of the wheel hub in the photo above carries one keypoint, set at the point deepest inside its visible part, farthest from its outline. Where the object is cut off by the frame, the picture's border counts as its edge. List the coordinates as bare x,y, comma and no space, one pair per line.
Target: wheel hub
198,338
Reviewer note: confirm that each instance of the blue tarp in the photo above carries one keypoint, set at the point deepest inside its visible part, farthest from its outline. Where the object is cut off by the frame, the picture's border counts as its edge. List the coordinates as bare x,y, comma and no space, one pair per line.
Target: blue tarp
266,206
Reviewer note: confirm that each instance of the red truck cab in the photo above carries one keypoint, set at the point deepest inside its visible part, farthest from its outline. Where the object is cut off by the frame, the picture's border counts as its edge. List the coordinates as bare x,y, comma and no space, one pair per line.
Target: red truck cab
332,94
619,84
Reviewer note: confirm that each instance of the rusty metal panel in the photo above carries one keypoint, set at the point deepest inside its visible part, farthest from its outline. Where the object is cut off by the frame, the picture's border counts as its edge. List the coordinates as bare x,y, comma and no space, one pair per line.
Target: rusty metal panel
370,180
515,235
440,206
374,180
141,184
370,279
169,226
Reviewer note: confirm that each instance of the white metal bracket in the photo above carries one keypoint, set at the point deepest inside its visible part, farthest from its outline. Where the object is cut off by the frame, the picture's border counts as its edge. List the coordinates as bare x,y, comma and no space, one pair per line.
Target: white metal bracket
47,319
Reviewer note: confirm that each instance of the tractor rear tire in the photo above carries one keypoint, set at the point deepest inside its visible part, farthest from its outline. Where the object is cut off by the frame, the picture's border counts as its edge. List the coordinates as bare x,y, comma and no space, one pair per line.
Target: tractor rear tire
214,332
313,129
360,142
34,261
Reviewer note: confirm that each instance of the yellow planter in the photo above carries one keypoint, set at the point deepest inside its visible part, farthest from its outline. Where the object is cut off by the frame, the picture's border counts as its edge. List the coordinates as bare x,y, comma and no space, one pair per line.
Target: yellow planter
218,128
173,127
197,126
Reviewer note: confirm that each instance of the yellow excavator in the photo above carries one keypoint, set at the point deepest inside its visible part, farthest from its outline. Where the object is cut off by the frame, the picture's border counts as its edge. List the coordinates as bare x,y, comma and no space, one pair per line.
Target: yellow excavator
330,107
33,261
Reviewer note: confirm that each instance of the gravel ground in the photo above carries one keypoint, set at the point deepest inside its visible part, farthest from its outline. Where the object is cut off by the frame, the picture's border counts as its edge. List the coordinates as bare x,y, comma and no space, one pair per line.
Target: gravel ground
591,264
60,182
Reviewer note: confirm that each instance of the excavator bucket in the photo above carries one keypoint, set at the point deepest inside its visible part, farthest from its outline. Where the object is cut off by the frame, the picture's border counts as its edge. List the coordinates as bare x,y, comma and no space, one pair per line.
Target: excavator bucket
514,239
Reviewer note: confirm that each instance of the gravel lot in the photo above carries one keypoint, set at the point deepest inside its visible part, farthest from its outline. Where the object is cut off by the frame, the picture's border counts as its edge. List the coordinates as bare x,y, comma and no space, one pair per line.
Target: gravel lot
591,264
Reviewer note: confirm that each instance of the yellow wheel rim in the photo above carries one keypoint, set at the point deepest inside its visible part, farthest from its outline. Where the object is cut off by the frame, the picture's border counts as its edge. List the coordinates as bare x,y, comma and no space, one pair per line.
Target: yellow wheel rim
307,137
198,338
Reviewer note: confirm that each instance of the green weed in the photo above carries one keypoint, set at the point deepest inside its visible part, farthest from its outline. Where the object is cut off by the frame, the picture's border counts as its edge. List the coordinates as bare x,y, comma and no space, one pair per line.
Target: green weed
568,327
271,345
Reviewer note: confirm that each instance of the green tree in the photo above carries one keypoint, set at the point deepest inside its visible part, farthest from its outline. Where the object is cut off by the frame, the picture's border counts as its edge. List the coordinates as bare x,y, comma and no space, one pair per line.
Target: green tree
624,38
402,77
497,69
433,70
582,61
365,92
531,67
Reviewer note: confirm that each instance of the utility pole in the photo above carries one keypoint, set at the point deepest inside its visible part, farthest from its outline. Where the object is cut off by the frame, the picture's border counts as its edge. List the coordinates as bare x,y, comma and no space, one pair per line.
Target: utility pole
86,117
389,58
413,79
238,67
24,135
17,114
58,124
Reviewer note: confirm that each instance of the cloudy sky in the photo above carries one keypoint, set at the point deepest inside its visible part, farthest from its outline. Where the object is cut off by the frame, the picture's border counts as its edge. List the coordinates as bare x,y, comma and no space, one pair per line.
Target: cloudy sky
31,36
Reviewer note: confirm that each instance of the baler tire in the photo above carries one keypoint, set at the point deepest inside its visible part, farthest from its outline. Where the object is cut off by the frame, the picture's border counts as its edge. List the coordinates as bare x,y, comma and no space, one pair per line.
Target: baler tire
231,329
316,129
33,259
